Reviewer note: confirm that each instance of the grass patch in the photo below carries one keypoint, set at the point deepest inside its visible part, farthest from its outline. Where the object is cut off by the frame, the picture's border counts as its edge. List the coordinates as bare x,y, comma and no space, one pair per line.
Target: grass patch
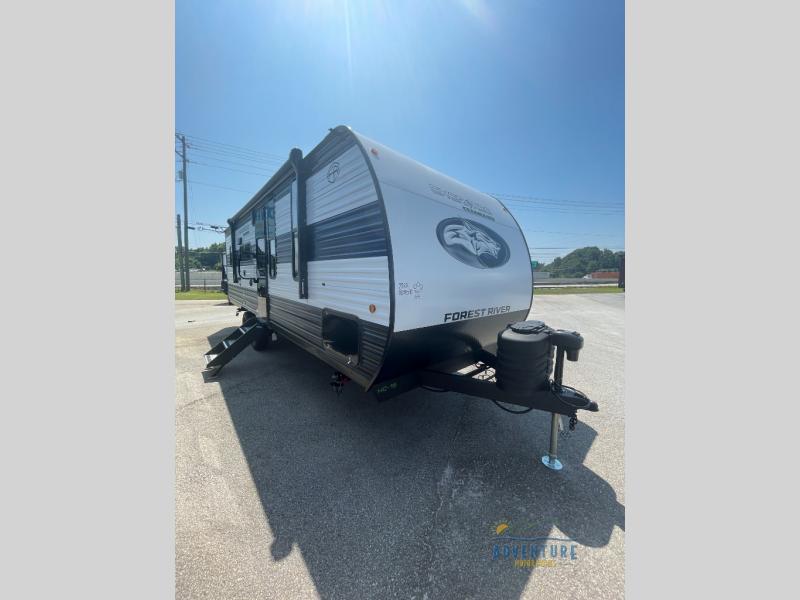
591,289
200,295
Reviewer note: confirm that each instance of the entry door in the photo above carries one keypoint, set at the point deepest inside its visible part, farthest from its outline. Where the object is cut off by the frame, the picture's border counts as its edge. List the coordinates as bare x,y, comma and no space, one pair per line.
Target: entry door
261,233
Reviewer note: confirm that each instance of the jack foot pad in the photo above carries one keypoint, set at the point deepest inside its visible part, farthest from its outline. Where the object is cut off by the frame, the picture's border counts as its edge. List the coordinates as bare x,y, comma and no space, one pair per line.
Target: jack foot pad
552,463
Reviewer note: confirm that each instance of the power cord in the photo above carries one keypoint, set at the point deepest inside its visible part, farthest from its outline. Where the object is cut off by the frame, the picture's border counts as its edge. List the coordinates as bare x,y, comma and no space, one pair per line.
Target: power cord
433,389
513,412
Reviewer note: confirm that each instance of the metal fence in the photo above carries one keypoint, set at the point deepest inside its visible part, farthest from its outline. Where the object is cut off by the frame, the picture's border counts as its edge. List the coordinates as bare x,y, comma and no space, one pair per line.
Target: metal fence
201,280
572,281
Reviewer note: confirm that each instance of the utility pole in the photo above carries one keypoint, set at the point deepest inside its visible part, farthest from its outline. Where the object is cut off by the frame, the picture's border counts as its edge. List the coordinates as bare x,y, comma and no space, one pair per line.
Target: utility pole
185,213
180,256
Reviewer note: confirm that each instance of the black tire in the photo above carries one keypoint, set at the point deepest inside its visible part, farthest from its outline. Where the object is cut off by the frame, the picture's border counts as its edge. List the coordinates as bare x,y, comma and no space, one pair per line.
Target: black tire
246,316
263,339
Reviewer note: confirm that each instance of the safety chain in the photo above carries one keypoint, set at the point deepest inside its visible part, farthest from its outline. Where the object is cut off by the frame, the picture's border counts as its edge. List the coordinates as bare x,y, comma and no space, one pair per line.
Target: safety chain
337,382
573,420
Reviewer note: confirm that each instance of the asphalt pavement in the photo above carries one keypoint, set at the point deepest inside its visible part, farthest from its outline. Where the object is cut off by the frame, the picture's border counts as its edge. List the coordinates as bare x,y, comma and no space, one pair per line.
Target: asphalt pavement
286,490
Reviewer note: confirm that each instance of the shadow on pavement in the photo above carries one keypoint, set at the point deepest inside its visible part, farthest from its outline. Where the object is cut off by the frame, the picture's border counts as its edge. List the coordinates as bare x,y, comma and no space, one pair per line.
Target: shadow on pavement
402,498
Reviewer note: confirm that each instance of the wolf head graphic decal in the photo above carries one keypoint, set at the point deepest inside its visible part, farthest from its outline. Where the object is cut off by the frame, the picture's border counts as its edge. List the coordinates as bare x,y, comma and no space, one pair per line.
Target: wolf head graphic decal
472,243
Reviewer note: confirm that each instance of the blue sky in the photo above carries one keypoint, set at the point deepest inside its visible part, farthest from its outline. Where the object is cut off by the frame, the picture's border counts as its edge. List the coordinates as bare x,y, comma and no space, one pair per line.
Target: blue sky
515,98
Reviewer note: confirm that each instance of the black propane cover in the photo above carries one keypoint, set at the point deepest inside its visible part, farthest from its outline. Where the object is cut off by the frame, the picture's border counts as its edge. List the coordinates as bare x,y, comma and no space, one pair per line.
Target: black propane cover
524,357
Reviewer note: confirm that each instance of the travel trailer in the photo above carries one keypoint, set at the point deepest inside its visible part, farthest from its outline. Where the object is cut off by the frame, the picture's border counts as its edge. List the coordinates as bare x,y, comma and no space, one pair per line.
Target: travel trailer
396,276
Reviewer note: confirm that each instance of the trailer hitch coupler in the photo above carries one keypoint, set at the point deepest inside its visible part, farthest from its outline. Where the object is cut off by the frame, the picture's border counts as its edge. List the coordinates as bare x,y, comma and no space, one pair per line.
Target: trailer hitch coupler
570,341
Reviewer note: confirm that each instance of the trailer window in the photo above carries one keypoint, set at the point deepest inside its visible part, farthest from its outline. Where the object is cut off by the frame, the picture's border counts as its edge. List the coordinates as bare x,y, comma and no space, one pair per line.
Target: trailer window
234,264
246,252
259,226
233,260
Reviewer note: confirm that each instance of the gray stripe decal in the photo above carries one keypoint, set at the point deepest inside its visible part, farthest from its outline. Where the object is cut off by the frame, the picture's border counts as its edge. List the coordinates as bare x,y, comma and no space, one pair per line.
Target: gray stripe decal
358,233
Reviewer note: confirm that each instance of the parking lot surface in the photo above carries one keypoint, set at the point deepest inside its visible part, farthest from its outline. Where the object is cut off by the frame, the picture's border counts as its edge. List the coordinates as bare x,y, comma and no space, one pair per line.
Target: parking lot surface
286,490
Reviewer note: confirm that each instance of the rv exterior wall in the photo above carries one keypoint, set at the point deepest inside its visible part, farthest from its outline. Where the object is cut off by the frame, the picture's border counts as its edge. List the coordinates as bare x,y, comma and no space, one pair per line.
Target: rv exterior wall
457,253
338,186
352,286
348,268
341,208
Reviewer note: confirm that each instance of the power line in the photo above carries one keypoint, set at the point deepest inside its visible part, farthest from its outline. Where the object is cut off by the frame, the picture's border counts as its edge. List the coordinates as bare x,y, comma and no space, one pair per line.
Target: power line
207,145
518,202
523,198
566,232
565,210
576,204
236,155
563,206
207,227
222,187
240,150
211,225
550,209
233,147
194,162
240,164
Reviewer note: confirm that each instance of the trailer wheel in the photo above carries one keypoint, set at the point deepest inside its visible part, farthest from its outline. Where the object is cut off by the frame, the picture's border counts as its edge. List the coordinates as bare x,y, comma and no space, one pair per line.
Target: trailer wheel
246,316
263,339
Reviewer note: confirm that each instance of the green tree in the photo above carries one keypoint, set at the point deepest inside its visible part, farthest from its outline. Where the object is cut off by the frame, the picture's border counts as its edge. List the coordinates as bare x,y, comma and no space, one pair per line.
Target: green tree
583,261
209,257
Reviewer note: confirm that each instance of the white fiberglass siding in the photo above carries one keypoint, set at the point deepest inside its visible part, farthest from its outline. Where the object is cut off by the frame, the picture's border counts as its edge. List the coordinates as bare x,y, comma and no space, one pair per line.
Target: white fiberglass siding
341,185
350,286
284,285
417,200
